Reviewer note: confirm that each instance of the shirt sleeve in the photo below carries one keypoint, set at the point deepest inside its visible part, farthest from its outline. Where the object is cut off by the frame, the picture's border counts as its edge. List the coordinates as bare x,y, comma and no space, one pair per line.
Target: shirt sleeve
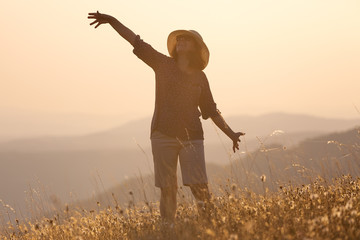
206,103
147,53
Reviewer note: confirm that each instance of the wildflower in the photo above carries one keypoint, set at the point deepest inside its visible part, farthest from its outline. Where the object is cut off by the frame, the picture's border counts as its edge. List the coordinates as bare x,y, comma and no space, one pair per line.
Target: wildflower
231,197
335,212
210,232
324,219
277,132
233,237
314,196
263,178
348,205
353,213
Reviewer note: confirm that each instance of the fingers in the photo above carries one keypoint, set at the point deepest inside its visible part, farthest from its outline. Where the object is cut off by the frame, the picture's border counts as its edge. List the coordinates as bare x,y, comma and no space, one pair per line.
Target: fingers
98,23
237,140
98,18
92,15
235,146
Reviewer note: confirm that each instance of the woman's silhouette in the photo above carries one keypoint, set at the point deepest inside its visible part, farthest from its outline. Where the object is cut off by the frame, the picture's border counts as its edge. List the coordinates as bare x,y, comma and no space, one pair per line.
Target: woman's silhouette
176,131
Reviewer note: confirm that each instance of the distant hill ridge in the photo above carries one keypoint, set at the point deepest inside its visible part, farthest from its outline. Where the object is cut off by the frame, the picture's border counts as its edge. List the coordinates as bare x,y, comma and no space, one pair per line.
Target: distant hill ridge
126,135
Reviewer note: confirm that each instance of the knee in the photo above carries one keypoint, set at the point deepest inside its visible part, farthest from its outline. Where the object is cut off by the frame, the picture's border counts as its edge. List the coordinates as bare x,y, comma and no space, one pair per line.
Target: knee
200,191
199,188
168,192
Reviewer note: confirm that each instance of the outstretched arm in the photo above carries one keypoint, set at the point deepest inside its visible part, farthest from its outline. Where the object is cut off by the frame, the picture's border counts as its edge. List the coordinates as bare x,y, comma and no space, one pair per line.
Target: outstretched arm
118,26
235,137
142,50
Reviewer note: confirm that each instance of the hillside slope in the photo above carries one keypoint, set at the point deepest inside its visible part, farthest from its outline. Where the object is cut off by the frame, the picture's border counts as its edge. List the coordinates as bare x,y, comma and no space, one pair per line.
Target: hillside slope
327,156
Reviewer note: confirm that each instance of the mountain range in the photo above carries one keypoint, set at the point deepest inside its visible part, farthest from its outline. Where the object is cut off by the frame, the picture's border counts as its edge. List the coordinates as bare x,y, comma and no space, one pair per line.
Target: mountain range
71,168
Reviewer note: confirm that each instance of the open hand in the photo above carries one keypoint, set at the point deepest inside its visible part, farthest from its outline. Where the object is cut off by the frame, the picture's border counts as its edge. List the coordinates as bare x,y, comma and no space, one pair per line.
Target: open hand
99,18
236,140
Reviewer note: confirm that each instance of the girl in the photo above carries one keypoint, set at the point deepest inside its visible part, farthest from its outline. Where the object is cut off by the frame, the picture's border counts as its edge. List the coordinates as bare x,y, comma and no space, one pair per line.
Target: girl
176,131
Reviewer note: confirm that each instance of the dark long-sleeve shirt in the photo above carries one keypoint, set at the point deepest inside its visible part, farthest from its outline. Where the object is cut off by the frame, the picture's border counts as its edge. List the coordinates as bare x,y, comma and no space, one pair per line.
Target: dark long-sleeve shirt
178,95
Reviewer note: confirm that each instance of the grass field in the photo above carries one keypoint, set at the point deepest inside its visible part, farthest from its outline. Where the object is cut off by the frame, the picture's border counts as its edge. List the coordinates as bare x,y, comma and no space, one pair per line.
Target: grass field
320,210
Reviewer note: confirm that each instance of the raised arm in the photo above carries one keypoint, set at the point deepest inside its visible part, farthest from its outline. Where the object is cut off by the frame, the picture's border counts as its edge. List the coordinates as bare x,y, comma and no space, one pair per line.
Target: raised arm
142,50
125,32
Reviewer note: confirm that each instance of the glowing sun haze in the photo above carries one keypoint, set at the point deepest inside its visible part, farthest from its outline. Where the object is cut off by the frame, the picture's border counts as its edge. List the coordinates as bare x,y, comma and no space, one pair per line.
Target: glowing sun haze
290,56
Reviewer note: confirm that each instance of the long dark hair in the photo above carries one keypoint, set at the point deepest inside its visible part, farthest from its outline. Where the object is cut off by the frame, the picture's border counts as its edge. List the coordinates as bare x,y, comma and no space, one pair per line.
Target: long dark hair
195,60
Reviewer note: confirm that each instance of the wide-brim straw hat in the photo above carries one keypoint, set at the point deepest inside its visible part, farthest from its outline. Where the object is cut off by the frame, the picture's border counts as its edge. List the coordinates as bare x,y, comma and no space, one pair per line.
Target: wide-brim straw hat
204,51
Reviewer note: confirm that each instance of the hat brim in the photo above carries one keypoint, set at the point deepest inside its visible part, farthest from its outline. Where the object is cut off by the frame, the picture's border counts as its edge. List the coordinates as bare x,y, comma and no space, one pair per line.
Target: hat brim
204,51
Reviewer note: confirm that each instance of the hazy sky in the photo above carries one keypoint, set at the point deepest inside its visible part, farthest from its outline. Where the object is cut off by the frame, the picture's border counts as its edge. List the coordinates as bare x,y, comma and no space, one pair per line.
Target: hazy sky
293,56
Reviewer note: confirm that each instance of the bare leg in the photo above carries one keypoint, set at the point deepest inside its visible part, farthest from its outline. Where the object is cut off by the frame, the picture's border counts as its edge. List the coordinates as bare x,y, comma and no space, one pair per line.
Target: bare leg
201,192
202,195
168,203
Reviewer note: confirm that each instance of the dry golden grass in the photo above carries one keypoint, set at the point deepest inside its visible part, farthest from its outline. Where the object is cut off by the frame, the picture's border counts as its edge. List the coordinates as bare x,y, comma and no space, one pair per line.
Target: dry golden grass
319,210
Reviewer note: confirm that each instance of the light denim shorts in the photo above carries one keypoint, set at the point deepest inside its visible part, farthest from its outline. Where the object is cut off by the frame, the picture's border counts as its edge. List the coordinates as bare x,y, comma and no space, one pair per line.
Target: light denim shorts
167,150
